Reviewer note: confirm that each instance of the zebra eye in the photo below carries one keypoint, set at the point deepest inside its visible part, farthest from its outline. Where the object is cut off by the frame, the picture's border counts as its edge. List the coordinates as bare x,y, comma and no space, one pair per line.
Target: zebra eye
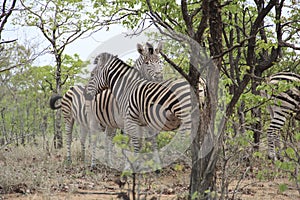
147,62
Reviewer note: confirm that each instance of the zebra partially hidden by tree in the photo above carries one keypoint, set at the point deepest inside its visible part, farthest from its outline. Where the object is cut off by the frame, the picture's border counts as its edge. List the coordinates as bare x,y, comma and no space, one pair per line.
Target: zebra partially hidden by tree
104,105
285,104
160,106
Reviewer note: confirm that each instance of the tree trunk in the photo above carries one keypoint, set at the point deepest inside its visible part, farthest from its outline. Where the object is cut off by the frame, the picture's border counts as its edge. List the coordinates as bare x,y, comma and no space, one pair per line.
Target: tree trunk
256,114
58,139
204,146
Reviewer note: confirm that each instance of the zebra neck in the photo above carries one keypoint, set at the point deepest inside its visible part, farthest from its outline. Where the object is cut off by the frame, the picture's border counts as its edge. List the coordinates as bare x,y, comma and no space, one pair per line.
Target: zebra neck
122,80
139,62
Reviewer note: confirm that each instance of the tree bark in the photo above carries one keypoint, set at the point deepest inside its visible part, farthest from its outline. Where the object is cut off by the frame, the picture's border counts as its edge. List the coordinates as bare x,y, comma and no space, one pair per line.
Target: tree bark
256,114
58,139
204,148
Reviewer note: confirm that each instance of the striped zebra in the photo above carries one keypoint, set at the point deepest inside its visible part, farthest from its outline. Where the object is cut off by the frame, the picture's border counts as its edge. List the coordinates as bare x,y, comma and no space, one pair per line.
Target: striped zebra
74,110
160,106
285,103
148,58
103,105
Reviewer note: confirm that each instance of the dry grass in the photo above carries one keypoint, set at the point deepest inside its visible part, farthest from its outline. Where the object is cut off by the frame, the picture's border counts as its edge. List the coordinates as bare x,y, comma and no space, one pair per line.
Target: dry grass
29,169
33,172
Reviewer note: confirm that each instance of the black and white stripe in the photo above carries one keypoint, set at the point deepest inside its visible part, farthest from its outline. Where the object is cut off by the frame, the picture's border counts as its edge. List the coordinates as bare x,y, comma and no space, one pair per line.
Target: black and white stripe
159,106
149,62
285,103
104,107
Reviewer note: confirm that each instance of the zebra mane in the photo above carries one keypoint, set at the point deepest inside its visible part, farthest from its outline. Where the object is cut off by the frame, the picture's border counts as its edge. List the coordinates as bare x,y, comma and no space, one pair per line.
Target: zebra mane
106,58
102,58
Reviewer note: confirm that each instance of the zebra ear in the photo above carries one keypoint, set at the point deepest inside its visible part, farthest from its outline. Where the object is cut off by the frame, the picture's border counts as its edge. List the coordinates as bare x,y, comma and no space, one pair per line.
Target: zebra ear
150,47
140,49
159,48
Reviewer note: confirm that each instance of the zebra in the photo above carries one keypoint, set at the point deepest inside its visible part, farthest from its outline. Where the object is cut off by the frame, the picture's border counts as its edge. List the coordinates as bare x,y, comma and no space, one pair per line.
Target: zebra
285,103
74,109
159,106
148,58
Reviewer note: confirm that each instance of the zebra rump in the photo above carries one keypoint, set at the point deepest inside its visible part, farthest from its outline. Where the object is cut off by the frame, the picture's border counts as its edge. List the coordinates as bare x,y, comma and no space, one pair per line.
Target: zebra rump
285,103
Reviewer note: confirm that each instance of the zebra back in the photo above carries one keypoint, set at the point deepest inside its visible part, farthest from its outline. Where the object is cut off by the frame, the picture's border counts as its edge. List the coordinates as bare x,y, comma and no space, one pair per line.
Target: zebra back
289,99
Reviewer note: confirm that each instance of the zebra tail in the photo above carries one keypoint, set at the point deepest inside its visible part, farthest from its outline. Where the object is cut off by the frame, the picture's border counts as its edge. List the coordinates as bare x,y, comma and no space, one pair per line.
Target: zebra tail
52,102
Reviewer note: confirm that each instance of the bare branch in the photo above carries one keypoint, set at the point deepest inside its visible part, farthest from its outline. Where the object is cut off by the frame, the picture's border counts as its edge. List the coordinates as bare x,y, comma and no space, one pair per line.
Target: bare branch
254,29
187,18
176,67
203,23
232,48
8,41
286,44
5,15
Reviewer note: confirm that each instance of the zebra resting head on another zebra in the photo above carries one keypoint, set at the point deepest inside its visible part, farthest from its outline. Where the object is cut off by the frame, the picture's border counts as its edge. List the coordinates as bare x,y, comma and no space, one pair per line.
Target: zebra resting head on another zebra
74,108
159,106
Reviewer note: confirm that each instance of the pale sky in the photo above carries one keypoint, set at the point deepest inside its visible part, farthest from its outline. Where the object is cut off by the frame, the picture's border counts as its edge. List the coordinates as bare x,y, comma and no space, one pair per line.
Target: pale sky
112,41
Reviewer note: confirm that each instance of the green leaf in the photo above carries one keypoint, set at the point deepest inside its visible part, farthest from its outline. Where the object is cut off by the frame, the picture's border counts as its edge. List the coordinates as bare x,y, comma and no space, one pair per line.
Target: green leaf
297,137
195,196
290,152
282,187
258,154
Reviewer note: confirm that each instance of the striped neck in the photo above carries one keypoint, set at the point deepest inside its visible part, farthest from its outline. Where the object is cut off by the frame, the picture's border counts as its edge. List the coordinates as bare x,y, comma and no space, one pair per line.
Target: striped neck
138,63
119,73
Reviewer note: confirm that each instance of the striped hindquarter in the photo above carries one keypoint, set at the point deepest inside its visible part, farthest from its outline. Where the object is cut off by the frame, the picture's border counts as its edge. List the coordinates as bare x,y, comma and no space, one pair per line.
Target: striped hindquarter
74,109
285,103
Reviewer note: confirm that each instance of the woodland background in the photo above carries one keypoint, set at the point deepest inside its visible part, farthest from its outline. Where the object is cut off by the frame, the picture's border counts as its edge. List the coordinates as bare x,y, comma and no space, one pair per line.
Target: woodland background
247,41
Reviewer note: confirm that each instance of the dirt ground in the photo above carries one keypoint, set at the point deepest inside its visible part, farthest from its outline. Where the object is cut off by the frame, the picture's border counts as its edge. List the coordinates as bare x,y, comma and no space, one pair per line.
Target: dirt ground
163,188
29,173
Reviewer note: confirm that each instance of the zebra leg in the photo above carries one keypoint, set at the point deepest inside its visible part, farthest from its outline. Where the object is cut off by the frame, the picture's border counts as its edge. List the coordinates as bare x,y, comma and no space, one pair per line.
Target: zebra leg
277,122
271,143
69,129
109,134
94,146
132,129
83,134
94,129
156,158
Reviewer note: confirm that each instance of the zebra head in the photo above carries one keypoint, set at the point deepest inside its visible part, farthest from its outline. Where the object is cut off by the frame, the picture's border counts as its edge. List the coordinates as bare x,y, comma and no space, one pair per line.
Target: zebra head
98,80
149,62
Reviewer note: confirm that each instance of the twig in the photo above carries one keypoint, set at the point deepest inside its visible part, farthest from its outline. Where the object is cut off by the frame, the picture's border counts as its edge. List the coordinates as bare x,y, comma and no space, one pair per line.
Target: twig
14,139
8,41
107,193
176,67
239,181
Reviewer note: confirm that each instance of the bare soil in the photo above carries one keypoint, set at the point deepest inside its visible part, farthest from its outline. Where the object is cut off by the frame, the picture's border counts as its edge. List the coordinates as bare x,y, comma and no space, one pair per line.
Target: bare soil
163,187
29,173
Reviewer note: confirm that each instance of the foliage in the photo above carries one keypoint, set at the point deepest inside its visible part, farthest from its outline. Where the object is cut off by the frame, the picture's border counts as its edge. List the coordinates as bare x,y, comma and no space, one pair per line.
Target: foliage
25,96
60,22
255,46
